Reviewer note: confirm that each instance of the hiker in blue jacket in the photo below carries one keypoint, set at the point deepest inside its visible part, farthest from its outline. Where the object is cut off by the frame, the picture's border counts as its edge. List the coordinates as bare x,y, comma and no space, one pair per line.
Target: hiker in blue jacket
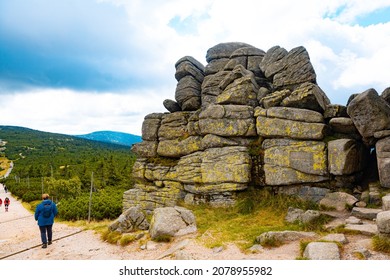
44,214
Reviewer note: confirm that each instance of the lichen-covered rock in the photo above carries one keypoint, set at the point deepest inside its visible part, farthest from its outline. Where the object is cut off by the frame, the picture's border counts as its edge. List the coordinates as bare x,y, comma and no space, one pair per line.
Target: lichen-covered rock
150,126
188,65
215,141
211,88
335,111
383,159
274,99
145,149
226,165
179,147
343,125
307,96
293,114
174,125
370,113
294,162
188,93
224,50
345,156
306,156
255,118
288,68
275,127
171,105
227,120
239,87
149,197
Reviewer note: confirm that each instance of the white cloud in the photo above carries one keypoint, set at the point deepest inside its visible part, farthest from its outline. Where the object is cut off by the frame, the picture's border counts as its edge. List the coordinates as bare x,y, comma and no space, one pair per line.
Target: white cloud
346,56
70,112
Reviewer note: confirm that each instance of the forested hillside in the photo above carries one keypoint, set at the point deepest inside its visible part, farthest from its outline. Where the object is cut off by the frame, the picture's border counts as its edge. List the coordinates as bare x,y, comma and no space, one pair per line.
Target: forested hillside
66,167
113,137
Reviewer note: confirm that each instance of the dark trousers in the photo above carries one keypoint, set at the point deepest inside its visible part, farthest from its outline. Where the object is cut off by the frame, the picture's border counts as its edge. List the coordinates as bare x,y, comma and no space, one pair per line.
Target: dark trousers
46,230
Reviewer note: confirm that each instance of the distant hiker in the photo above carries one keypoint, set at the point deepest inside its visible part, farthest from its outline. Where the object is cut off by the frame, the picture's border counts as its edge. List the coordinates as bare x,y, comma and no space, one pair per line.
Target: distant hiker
1,202
6,203
44,214
5,189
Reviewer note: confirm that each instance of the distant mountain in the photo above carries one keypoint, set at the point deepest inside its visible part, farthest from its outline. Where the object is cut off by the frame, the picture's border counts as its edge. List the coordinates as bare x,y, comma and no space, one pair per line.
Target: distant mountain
119,138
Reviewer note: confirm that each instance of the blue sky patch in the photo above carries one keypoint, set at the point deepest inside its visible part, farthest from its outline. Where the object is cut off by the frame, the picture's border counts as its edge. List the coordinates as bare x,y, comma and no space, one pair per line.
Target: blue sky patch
375,17
188,25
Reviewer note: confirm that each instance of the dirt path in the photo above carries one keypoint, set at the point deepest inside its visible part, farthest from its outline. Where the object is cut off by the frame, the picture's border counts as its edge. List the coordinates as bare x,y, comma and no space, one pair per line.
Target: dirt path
19,231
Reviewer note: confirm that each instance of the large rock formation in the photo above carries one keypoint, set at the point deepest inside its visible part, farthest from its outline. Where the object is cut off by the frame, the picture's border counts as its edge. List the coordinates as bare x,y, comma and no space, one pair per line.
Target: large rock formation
256,118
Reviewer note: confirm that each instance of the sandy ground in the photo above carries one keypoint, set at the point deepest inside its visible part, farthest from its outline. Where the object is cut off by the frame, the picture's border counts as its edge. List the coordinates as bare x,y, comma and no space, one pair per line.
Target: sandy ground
20,240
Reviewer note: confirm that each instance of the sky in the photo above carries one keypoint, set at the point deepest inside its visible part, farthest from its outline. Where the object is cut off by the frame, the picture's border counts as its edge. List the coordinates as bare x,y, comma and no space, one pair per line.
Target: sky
75,67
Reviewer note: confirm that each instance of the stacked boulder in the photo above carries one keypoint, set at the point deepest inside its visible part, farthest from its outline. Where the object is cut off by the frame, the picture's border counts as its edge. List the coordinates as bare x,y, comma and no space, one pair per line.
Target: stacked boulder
257,118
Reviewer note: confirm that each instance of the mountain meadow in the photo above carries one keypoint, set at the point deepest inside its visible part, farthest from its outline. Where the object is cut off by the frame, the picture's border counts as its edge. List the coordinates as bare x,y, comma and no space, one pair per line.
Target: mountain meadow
68,168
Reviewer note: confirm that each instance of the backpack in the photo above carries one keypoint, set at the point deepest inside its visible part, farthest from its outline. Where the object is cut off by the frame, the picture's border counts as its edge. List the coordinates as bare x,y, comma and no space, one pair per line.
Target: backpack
47,210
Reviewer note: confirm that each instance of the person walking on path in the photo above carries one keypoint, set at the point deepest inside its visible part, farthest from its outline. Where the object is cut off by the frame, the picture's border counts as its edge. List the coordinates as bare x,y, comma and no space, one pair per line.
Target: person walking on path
44,214
1,202
6,203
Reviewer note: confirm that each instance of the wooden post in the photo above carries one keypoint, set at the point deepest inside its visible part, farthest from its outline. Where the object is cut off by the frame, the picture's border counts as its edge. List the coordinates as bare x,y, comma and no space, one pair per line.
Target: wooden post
90,199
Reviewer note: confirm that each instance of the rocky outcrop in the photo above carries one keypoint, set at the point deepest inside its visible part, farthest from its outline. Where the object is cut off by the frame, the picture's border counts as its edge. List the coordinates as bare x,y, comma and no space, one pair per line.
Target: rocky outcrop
255,118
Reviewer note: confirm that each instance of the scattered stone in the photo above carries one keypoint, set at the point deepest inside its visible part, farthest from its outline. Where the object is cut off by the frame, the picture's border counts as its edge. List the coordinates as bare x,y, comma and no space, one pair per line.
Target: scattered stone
365,213
298,215
365,229
256,248
183,255
336,237
361,204
353,221
338,200
322,251
284,236
383,223
217,250
130,220
293,215
172,221
362,253
174,249
386,203
151,246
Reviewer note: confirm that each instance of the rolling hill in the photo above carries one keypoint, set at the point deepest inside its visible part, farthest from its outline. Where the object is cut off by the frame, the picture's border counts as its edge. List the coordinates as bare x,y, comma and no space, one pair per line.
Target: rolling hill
113,137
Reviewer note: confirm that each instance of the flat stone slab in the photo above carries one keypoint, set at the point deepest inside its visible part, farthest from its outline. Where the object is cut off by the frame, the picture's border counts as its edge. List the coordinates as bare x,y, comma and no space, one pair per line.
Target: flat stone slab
353,221
336,237
322,251
365,229
365,213
285,236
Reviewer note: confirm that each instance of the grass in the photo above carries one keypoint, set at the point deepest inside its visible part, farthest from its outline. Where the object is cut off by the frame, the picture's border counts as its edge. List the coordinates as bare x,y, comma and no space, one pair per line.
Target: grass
256,212
381,244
